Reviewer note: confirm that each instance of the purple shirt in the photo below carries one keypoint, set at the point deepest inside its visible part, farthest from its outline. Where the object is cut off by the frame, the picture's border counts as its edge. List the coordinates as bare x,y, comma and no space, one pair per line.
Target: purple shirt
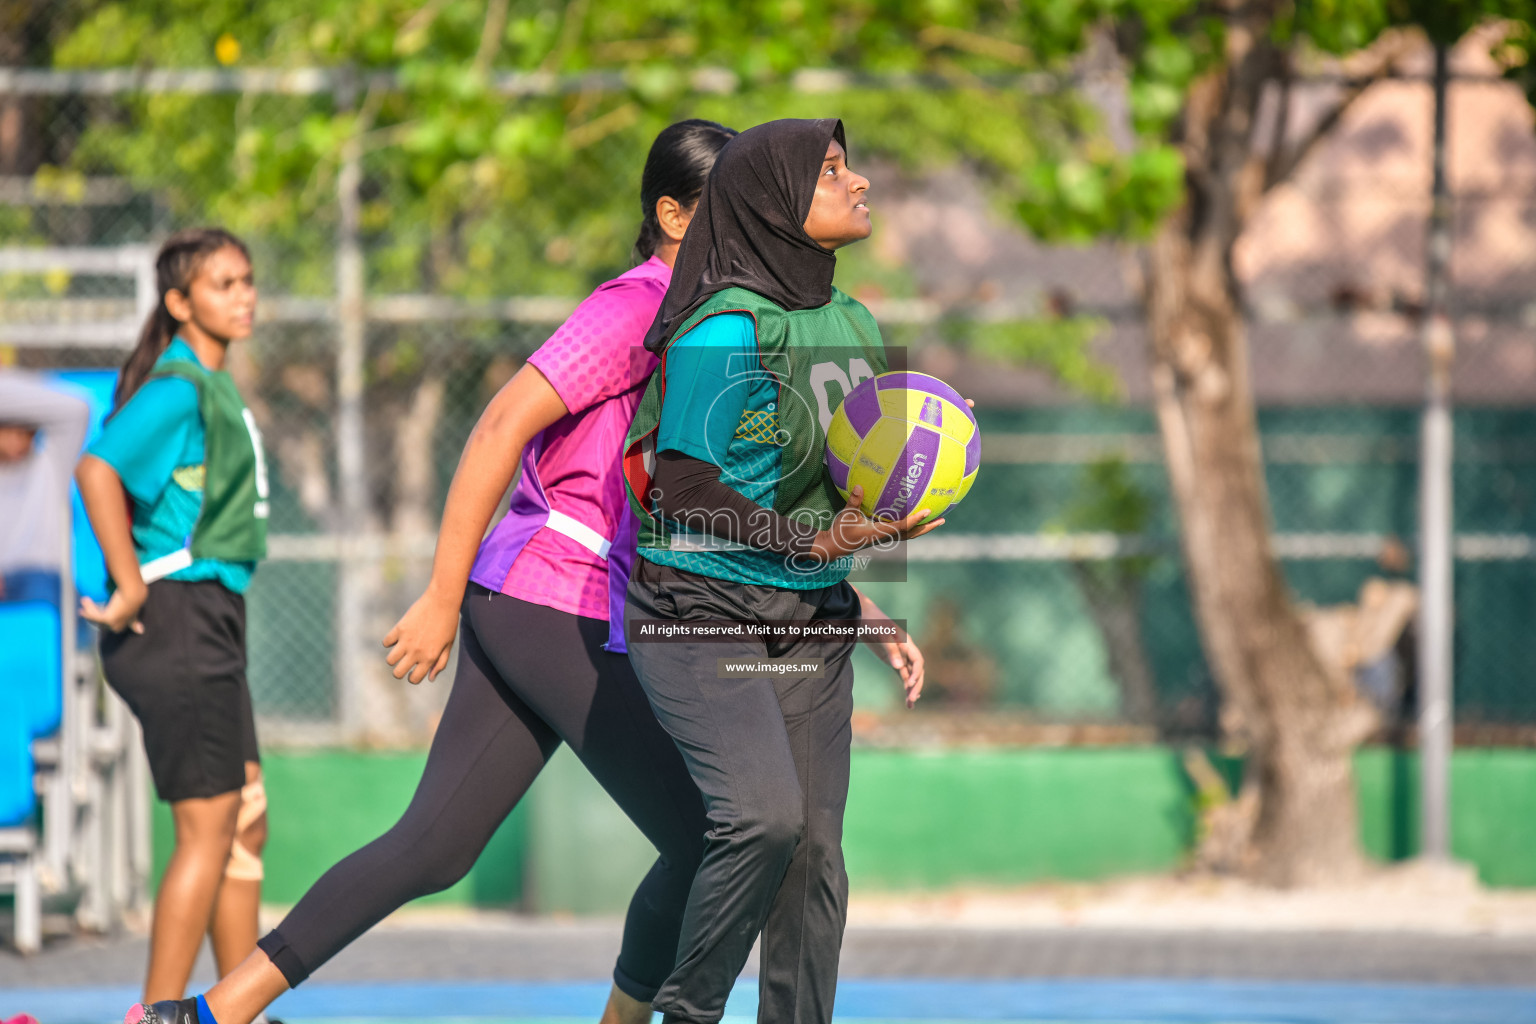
569,499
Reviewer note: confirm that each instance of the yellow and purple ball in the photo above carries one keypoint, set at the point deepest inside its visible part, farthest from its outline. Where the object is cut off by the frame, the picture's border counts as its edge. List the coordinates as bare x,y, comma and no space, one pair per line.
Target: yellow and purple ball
909,440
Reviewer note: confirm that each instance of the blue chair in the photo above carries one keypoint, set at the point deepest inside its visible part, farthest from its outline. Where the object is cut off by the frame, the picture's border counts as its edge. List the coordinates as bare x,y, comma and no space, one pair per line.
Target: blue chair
18,798
37,747
31,707
31,663
18,803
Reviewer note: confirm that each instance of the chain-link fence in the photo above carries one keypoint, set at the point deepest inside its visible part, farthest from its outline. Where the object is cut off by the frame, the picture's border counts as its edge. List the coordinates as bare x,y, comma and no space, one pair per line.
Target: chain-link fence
1054,600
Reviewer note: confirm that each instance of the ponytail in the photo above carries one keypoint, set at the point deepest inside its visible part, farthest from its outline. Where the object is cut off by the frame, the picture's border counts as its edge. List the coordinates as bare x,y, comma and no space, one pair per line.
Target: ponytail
176,265
678,165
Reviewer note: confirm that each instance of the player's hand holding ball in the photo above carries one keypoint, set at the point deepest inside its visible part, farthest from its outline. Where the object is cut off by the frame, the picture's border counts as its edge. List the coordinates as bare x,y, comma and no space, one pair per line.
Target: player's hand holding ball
852,530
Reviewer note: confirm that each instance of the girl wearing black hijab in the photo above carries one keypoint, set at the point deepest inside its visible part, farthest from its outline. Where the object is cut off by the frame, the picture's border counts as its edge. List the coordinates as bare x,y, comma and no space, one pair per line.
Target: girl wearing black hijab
739,522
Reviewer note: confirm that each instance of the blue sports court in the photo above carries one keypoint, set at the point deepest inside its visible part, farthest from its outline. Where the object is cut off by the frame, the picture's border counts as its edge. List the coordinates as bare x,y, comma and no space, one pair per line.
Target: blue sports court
1108,1001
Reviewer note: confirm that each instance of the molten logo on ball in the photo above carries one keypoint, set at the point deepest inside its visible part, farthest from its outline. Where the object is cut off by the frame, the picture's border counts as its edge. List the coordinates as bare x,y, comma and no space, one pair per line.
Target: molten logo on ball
914,473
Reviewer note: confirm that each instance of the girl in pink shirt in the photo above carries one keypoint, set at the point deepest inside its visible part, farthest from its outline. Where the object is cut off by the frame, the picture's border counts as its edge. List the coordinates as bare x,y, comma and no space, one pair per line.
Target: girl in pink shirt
542,659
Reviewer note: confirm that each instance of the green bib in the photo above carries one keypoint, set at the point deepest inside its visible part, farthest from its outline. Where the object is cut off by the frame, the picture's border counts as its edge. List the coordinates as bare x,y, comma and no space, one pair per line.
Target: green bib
815,356
232,525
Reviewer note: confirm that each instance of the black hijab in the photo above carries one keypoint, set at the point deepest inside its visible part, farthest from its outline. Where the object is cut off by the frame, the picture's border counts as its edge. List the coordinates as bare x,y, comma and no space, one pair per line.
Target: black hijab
748,230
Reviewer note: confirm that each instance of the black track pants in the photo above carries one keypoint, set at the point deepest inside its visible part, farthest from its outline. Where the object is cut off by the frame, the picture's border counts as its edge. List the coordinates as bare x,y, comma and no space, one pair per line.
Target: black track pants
528,677
769,749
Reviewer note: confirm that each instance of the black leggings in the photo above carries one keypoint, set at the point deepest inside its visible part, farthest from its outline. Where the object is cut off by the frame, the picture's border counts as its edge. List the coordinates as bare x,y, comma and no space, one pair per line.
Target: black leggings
528,677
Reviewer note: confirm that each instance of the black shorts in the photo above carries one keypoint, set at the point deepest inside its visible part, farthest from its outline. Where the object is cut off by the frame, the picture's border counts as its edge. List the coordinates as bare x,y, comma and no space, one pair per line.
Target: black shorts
184,679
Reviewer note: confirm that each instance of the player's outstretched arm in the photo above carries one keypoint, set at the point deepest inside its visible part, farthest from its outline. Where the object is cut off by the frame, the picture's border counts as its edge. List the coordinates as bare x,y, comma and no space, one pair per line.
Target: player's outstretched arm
525,405
903,654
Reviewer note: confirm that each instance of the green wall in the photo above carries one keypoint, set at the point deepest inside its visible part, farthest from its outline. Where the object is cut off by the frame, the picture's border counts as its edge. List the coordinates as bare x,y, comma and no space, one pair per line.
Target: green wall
925,820
916,820
1493,809
323,805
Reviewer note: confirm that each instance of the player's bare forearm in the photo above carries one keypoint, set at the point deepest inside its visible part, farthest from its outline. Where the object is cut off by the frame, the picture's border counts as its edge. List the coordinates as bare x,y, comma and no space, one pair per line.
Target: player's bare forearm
524,406
485,470
902,654
106,505
869,610
867,607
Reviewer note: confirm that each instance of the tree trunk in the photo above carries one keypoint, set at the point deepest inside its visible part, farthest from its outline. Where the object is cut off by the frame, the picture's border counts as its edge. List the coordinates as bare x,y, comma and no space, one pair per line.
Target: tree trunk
1299,719
1301,722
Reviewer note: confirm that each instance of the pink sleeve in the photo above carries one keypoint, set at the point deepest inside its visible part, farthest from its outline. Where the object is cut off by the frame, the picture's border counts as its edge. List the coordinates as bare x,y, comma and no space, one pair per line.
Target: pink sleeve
597,353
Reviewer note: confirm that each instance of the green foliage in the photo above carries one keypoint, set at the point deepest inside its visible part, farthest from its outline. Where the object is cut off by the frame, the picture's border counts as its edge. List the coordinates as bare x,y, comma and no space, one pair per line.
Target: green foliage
1079,200
1516,53
1058,345
1109,500
472,191
1338,26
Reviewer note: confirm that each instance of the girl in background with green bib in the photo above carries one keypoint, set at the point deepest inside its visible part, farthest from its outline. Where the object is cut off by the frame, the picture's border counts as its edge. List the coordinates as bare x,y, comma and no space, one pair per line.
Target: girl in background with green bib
176,490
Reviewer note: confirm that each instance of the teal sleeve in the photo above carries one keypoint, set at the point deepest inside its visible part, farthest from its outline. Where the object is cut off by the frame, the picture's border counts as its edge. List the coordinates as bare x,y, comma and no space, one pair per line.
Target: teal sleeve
710,372
147,438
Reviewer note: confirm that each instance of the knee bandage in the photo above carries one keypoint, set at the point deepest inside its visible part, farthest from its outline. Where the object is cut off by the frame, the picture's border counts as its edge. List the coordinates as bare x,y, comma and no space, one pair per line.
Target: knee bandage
244,863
